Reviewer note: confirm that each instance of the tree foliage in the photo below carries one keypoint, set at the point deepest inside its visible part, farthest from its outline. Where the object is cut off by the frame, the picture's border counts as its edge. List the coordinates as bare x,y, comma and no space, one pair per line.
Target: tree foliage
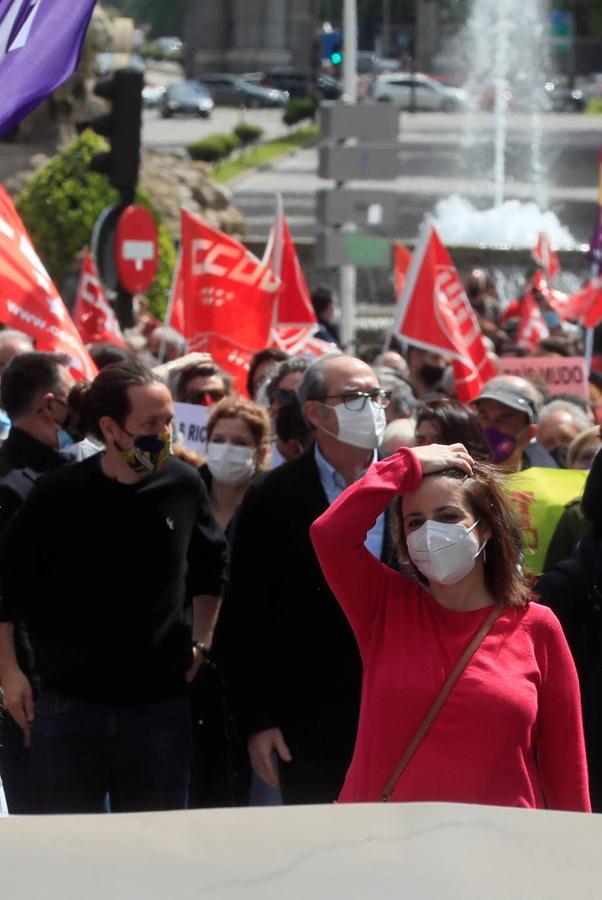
165,17
61,203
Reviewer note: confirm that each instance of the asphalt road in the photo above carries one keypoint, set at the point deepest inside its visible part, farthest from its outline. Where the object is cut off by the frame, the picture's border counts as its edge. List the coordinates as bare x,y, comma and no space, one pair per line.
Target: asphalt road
441,156
175,133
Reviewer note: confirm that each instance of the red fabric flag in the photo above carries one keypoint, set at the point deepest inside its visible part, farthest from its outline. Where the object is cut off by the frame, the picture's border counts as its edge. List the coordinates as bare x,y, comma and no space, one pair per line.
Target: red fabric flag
557,299
531,327
229,297
586,305
93,315
29,301
545,256
434,313
295,320
174,316
401,263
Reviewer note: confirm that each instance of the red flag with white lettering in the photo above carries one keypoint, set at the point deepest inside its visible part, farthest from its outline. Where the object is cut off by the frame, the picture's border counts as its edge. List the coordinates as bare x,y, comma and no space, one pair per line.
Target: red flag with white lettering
545,256
401,263
531,327
586,305
29,301
434,314
93,315
229,297
295,320
174,316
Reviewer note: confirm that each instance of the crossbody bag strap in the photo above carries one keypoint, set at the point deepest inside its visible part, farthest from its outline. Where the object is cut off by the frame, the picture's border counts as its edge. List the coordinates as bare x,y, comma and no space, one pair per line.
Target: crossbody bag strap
439,701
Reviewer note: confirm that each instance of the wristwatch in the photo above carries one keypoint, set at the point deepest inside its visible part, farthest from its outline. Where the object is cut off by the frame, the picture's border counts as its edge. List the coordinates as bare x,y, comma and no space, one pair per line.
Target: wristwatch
199,645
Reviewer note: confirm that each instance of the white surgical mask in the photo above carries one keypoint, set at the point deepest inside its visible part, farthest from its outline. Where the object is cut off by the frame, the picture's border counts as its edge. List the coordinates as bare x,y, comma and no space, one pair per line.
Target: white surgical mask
444,553
361,428
230,464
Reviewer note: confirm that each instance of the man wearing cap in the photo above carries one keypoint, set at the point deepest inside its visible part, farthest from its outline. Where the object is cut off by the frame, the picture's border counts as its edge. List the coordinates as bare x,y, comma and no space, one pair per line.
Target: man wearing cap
508,407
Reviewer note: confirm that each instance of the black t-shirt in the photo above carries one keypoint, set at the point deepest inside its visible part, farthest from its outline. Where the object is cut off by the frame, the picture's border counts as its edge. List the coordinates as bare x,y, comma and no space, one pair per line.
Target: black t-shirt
99,571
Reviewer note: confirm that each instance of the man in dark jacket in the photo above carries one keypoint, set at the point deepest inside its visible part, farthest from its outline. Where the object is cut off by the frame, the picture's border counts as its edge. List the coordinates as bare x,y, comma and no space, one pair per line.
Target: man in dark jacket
33,391
293,657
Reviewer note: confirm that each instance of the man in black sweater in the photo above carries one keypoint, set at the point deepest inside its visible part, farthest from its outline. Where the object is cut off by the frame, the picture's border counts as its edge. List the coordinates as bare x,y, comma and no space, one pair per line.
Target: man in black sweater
98,563
34,392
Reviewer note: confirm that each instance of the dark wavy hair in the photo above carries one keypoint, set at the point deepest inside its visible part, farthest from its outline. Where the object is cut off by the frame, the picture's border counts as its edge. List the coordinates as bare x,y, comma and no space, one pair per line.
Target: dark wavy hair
456,425
490,504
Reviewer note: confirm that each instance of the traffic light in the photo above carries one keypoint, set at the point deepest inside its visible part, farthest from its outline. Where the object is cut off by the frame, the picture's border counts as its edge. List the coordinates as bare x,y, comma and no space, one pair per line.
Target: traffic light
336,53
121,126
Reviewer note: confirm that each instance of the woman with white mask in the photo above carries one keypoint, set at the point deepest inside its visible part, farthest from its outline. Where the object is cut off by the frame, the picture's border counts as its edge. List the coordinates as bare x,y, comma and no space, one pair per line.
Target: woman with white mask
469,690
238,435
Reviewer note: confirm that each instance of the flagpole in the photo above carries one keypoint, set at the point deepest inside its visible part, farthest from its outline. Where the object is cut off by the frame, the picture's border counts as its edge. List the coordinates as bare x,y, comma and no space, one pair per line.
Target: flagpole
348,274
595,255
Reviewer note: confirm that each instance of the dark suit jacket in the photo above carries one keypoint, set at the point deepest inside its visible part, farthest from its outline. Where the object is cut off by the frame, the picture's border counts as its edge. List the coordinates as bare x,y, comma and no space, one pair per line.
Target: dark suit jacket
293,659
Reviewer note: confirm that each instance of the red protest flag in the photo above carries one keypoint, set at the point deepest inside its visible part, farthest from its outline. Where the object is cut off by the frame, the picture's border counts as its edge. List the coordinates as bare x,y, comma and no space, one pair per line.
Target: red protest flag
401,263
545,256
586,305
29,301
229,297
93,315
434,313
531,326
295,320
174,315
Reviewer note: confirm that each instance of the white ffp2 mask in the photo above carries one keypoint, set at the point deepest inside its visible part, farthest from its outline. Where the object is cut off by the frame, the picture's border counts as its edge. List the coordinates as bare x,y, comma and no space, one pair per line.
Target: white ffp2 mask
361,428
443,552
230,464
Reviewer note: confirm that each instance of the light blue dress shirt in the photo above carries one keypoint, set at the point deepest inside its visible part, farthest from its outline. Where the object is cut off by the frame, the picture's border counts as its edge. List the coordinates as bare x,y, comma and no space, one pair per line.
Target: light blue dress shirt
334,485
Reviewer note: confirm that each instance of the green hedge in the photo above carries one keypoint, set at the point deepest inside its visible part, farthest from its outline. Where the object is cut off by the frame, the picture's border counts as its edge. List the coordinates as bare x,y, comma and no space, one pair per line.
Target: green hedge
213,148
61,204
247,133
298,109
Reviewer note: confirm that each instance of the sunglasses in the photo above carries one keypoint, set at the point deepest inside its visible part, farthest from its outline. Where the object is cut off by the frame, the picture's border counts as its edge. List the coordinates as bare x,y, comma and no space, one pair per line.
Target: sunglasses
204,398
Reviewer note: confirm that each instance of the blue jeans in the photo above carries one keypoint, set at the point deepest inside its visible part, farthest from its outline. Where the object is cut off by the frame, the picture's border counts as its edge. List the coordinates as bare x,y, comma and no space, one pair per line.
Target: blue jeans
137,755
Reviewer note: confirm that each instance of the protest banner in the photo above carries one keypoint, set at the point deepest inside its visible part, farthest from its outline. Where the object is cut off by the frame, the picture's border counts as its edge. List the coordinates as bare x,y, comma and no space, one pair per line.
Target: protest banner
190,426
540,496
29,301
558,374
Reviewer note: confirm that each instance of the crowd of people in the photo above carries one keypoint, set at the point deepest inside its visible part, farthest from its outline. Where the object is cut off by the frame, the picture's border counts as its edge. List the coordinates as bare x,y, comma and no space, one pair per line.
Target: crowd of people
329,603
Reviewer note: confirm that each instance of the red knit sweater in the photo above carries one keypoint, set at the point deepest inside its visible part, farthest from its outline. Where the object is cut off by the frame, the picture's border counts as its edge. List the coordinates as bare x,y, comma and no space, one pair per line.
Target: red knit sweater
510,733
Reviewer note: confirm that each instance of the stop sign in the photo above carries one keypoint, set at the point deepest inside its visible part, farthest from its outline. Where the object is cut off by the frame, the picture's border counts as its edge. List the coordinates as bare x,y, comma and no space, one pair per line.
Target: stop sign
136,249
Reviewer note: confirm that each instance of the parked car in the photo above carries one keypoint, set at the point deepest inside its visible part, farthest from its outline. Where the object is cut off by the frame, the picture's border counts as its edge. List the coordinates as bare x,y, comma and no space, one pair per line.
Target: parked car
428,94
188,98
230,90
152,94
565,99
298,84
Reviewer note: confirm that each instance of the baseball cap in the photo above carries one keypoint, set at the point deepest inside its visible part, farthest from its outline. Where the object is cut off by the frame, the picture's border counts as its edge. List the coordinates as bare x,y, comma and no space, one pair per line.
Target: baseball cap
510,395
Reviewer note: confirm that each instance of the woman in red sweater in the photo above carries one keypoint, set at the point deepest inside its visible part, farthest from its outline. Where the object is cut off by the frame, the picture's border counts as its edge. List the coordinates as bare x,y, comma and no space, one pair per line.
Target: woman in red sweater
510,732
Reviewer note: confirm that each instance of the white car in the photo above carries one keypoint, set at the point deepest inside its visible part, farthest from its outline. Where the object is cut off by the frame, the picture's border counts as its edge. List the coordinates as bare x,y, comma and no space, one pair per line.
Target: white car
429,94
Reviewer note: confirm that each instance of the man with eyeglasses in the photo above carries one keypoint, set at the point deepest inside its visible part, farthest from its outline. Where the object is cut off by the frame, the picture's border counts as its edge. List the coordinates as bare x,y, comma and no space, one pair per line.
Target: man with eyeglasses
34,391
294,664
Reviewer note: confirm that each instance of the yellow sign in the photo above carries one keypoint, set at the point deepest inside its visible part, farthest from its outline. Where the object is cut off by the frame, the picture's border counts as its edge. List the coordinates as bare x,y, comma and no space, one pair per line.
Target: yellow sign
540,496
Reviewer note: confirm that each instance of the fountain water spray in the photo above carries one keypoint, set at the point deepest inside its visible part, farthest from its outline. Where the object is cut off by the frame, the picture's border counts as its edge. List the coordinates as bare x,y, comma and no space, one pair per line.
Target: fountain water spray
505,44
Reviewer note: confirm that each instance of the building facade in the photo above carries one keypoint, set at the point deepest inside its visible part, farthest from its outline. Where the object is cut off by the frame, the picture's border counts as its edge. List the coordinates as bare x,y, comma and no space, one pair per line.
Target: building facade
250,35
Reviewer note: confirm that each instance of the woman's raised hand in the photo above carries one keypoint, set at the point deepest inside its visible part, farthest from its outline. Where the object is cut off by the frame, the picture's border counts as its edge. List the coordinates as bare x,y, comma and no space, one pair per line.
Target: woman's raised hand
437,457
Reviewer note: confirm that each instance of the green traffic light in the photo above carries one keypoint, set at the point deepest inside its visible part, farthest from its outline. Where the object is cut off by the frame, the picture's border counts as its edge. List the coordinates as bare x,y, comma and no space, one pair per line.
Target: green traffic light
336,59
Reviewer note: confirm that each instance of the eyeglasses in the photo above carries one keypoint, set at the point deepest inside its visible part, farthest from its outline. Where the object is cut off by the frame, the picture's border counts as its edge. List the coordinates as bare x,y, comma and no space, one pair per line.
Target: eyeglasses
204,398
356,400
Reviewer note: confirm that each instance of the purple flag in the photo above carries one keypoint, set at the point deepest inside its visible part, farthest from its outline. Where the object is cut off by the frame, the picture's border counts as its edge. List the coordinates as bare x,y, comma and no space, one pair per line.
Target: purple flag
40,46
